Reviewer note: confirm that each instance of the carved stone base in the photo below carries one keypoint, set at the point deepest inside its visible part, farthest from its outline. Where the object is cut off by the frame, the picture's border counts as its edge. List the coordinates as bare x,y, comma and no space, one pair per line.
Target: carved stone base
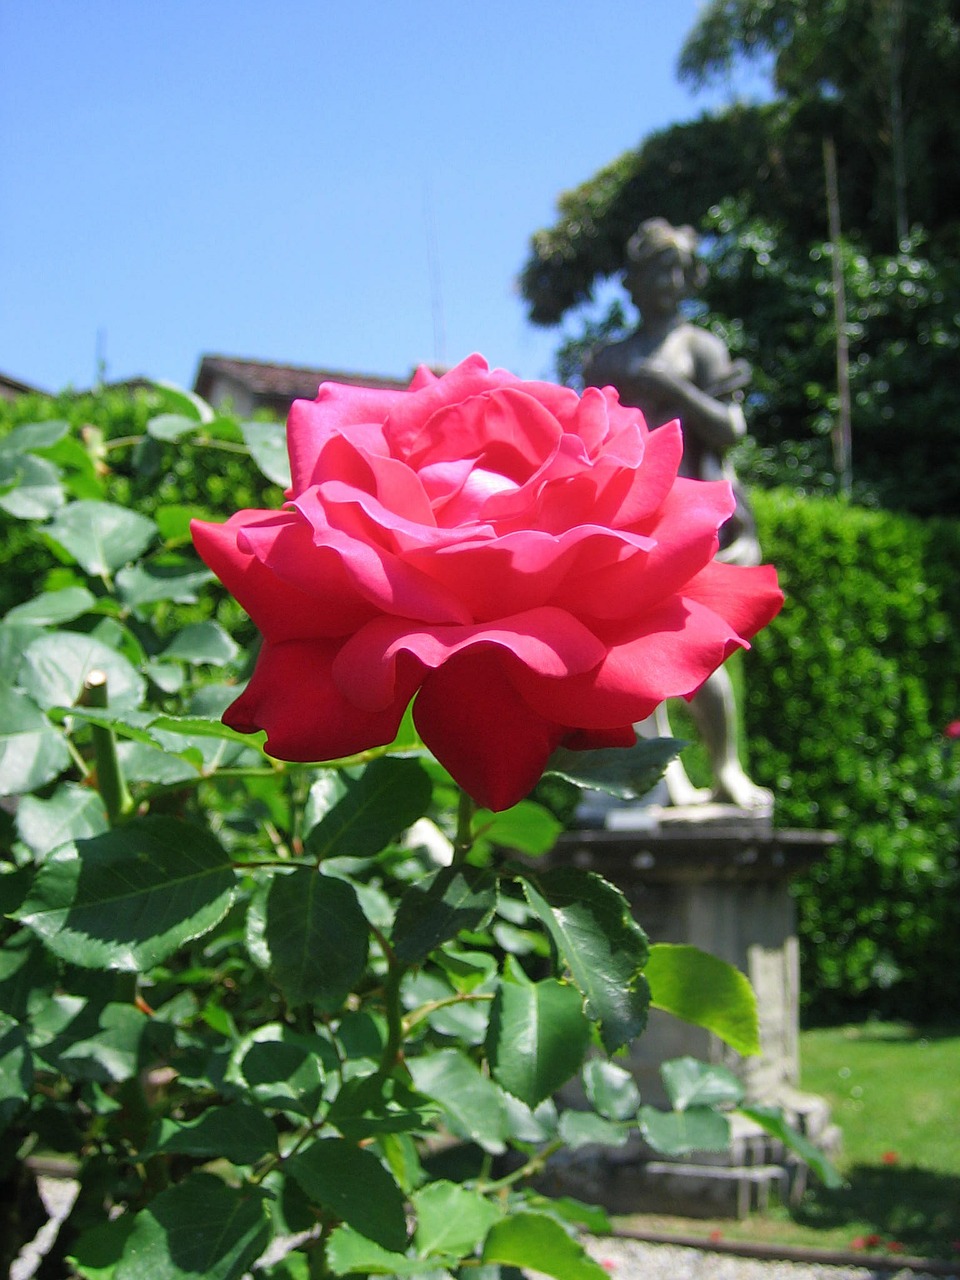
715,877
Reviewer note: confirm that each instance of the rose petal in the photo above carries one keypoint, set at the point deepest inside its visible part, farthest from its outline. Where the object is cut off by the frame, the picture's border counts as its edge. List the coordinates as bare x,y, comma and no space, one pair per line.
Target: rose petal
282,609
481,731
681,643
311,423
293,696
546,641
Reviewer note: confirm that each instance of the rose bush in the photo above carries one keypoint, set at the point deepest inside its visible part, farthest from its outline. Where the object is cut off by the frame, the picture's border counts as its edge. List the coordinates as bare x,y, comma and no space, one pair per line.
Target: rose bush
523,560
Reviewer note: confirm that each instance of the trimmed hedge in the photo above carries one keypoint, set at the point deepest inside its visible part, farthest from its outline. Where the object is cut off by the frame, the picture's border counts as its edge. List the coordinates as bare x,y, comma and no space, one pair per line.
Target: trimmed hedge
847,695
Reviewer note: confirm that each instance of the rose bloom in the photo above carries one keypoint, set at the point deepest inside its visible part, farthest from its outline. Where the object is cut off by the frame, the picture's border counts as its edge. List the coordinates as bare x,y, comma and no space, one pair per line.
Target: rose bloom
523,560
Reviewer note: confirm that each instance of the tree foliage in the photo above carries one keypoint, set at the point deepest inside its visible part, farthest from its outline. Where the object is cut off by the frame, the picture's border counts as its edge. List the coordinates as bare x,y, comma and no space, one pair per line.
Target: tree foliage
879,77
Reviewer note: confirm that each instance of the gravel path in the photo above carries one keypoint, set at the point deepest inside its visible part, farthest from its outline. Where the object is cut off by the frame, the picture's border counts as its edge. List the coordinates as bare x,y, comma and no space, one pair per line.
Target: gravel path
636,1260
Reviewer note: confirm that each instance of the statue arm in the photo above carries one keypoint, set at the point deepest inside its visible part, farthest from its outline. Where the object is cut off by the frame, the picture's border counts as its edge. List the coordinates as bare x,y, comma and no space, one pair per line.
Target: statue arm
718,424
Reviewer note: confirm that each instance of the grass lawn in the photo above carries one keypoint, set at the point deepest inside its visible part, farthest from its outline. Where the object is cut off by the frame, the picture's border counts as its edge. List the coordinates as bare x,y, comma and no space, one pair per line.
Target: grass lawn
895,1092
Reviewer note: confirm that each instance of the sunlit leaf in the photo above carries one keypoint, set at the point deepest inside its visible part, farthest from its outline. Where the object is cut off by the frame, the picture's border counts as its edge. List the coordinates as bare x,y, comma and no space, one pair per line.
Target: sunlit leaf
101,536
604,948
30,487
32,751
537,1037
55,667
267,442
704,1084
708,992
472,1104
538,1242
451,1219
677,1132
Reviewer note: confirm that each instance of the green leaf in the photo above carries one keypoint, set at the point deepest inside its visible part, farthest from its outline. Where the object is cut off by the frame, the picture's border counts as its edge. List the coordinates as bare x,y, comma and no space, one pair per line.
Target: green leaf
585,1128
185,401
366,1106
589,1216
389,795
33,435
202,642
611,1089
267,443
539,1242
278,1068
99,1249
129,898
677,1132
708,992
350,1253
772,1119
56,666
16,1069
165,577
472,1104
627,773
537,1037
32,751
112,1051
317,937
526,828
54,606
604,948
170,426
350,1182
199,1228
71,813
239,1132
692,1083
30,487
101,536
451,1219
435,910
199,727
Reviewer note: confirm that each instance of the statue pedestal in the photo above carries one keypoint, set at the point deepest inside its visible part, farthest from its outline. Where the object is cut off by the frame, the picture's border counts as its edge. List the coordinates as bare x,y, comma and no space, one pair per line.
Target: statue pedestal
715,877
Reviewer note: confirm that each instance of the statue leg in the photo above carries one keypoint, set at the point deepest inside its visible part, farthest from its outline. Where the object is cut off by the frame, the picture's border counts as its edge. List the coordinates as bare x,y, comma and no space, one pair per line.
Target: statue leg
714,710
680,789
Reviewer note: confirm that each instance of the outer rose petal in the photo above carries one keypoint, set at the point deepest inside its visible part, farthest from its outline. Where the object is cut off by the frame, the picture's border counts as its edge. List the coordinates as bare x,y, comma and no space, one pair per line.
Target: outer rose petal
546,641
293,696
482,732
679,646
280,609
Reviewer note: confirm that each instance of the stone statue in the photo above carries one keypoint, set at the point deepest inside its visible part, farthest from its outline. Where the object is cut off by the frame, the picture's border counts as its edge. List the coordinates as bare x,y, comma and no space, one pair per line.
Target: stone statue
669,368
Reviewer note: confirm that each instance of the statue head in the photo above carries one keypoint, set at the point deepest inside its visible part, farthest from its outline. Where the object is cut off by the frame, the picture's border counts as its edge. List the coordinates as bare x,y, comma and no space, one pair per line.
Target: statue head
662,263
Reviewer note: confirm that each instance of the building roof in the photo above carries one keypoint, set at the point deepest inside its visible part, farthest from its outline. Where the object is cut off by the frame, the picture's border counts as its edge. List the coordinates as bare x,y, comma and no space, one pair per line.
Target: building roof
10,388
282,382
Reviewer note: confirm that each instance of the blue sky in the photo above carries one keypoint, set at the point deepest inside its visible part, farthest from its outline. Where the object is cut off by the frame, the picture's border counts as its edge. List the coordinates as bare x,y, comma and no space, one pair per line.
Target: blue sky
350,185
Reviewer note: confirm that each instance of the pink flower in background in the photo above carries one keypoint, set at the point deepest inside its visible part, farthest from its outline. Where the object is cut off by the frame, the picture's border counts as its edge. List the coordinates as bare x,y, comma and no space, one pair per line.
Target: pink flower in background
523,560
952,730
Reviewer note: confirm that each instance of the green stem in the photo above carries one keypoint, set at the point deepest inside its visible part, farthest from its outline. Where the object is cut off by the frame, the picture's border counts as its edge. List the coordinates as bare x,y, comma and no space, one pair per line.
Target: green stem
110,780
392,1008
464,837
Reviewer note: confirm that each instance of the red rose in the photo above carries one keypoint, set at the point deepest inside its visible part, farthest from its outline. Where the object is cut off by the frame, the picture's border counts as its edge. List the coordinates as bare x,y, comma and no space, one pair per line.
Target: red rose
522,559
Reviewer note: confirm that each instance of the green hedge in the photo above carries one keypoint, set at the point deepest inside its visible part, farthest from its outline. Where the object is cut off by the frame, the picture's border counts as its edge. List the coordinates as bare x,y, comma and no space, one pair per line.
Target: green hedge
847,695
